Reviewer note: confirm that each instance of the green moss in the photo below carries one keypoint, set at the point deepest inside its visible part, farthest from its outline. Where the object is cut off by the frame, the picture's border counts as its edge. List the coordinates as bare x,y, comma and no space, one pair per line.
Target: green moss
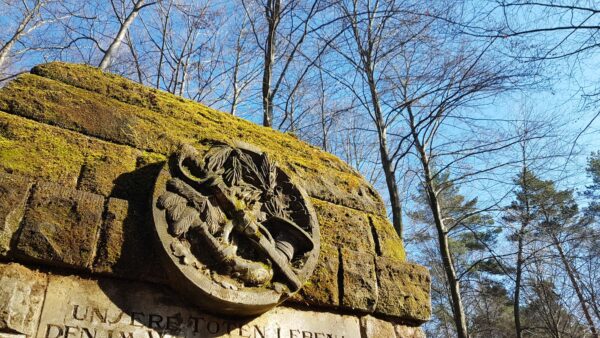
344,227
322,287
188,121
32,149
389,242
57,155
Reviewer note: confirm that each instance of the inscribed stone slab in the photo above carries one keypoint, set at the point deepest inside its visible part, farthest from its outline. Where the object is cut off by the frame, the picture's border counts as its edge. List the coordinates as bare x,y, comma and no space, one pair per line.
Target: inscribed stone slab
76,307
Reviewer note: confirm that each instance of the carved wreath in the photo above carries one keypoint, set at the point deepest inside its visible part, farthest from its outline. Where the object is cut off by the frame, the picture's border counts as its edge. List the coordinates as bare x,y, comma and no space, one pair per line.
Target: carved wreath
234,212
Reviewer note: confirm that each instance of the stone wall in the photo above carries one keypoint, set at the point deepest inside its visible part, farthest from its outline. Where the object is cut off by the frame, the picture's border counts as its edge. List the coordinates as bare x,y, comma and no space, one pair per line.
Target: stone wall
79,150
52,306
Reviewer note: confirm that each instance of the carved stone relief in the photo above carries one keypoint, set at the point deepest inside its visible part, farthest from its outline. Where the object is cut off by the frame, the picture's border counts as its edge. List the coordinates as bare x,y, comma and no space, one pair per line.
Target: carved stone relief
238,235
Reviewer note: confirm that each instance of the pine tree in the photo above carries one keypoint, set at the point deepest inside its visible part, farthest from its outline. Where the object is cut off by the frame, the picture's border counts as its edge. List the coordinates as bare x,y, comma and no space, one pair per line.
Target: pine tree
546,213
521,214
469,233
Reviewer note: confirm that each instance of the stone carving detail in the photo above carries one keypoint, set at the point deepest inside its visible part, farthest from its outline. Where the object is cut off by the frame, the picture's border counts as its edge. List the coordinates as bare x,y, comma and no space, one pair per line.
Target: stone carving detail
234,228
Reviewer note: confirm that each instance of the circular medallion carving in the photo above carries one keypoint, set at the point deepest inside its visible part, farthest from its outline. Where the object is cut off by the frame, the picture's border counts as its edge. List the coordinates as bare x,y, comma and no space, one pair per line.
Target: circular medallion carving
238,236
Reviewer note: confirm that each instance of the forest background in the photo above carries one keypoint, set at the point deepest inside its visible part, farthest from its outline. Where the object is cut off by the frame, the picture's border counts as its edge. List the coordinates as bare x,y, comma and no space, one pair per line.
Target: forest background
477,120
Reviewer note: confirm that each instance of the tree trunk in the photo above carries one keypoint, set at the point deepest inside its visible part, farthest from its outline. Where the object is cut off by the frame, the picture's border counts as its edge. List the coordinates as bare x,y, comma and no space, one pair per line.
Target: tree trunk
162,46
434,204
521,234
575,284
386,161
324,130
272,13
517,298
236,71
136,59
114,46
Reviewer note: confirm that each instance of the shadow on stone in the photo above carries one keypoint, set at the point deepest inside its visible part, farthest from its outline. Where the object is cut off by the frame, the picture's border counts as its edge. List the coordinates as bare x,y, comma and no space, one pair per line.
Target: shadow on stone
126,244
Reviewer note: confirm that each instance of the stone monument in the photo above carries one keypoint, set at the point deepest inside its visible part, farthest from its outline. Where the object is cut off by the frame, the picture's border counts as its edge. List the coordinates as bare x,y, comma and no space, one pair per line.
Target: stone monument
128,212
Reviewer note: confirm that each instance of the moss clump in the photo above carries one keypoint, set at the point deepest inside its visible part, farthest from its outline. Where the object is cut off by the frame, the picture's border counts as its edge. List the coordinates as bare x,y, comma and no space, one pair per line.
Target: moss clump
389,242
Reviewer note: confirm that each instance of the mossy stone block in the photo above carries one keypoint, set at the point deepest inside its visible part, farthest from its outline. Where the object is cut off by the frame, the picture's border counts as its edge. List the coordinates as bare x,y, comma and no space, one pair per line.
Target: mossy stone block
14,191
101,171
322,288
56,103
387,239
61,226
37,150
403,290
126,245
111,235
344,227
359,281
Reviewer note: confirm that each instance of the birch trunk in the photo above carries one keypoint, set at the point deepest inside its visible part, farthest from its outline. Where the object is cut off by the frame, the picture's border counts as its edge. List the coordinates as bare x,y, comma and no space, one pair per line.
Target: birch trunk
118,40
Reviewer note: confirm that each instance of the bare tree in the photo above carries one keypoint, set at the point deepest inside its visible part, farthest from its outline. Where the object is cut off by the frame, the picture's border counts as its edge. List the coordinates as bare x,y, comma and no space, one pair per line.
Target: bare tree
368,45
242,68
280,36
29,19
124,25
433,98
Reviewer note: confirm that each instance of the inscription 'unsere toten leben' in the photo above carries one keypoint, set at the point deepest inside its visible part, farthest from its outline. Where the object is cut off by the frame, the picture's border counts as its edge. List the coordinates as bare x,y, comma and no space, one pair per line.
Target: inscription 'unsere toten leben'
91,322
79,308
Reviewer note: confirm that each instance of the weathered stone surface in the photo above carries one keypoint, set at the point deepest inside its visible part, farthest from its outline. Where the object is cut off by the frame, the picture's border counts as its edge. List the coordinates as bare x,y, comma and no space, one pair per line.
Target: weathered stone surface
21,298
61,226
372,327
12,335
81,129
111,235
76,306
322,288
386,238
126,246
33,149
14,191
403,290
116,109
403,331
359,281
52,154
100,173
344,227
